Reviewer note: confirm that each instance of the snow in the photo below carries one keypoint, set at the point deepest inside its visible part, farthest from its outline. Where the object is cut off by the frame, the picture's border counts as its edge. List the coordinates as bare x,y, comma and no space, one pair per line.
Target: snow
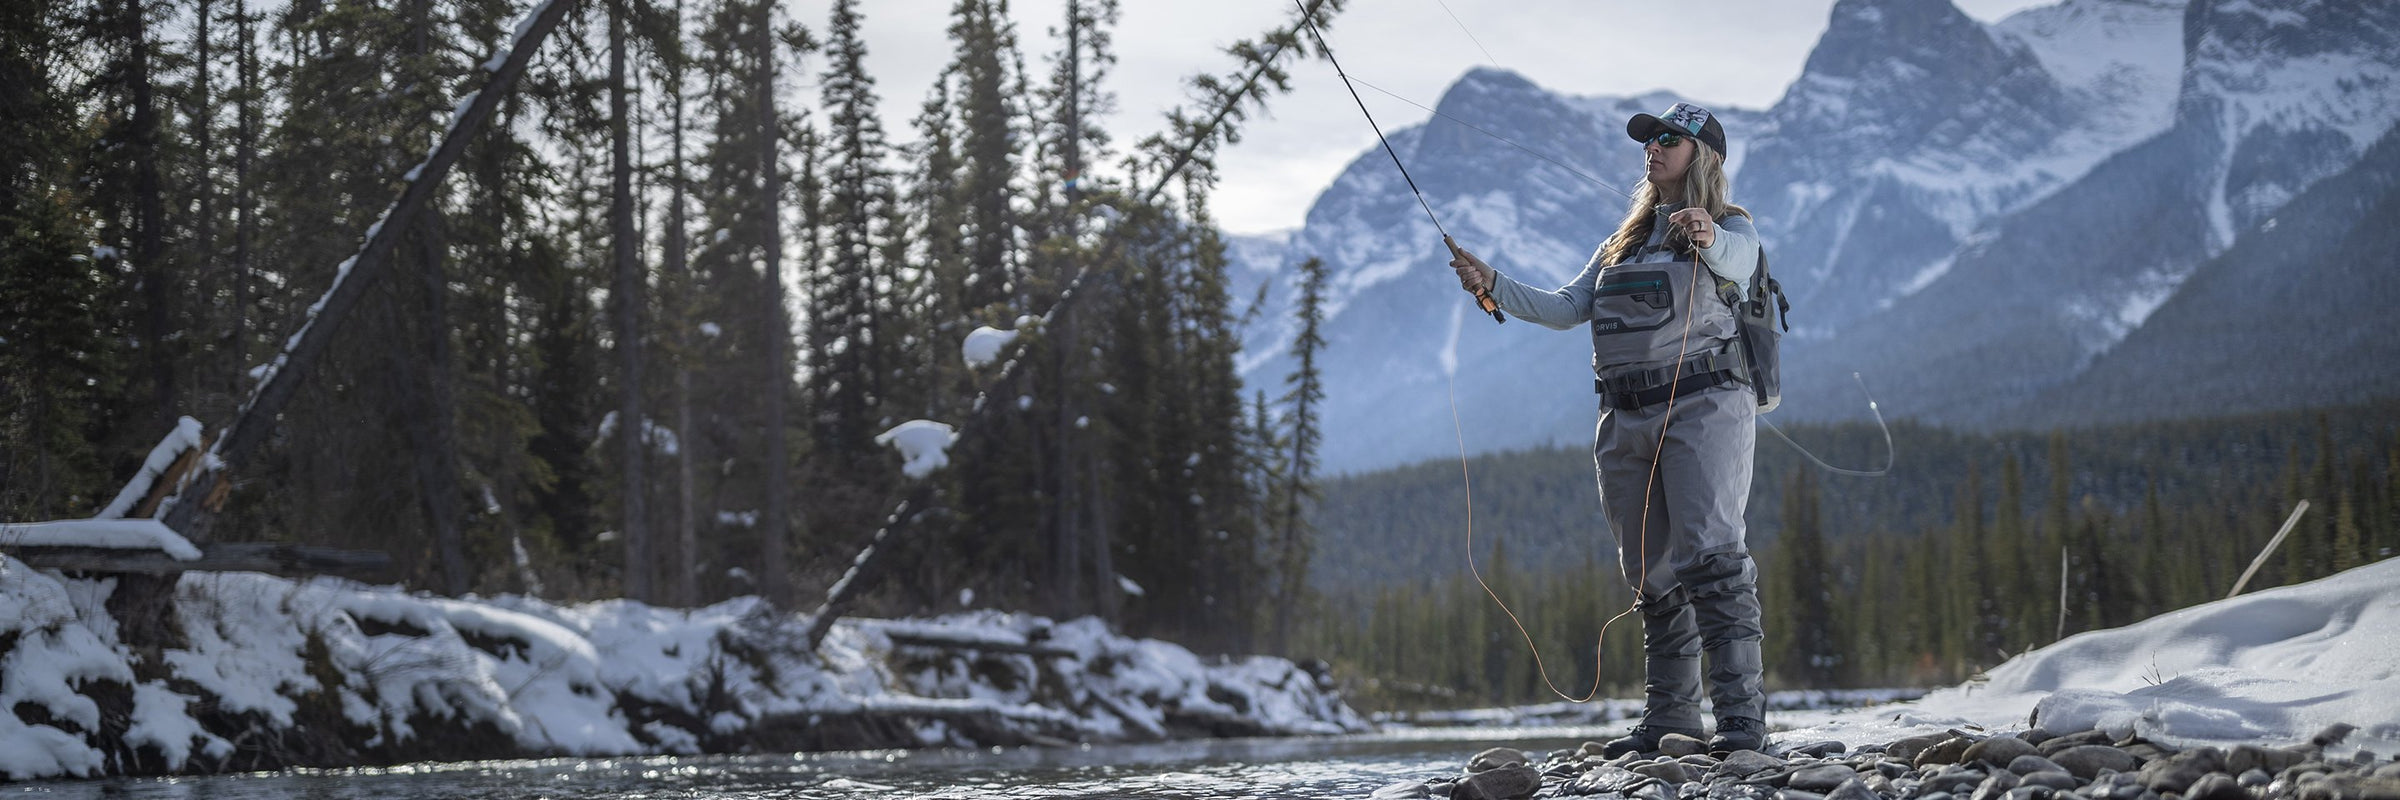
984,344
710,330
924,444
113,534
185,436
2272,667
1448,355
659,437
557,679
1130,588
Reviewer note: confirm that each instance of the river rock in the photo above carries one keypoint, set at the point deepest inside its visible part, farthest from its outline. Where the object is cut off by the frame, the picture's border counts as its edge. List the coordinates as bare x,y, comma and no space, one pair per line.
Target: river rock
2391,770
1853,789
1496,758
1670,771
2031,793
2244,758
1907,749
2216,786
1816,749
1403,790
1996,786
1507,782
1999,750
2254,778
1590,749
1746,763
1822,778
2059,780
1954,779
2171,776
2332,734
1699,761
2076,739
1948,752
2029,764
1795,794
2086,761
1676,745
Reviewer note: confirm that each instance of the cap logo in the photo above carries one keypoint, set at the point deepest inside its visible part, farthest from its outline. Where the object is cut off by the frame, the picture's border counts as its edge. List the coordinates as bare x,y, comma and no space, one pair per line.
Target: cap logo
1687,116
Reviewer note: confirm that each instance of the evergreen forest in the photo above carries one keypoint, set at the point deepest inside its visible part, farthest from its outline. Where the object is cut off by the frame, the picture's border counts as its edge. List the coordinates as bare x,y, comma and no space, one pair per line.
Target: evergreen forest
1965,553
639,318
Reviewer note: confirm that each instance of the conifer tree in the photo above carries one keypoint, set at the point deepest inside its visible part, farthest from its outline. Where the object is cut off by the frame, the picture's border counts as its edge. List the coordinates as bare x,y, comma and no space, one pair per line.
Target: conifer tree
843,333
1305,395
628,293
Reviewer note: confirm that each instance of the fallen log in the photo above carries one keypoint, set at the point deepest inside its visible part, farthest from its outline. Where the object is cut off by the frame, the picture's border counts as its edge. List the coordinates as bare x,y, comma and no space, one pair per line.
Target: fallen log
288,560
988,645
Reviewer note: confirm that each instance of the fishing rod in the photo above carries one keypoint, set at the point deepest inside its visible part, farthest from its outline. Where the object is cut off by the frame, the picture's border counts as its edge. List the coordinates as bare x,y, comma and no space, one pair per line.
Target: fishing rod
1483,297
1890,454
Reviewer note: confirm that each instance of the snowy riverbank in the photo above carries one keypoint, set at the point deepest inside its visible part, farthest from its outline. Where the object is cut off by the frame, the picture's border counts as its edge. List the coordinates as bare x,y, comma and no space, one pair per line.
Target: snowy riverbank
278,673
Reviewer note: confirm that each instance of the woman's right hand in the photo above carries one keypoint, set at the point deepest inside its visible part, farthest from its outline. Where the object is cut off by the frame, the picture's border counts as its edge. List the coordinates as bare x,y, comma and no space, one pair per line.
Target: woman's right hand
1473,275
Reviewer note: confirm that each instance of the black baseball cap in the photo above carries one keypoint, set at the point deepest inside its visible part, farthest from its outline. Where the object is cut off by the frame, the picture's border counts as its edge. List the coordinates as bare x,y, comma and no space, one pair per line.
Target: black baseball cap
1685,119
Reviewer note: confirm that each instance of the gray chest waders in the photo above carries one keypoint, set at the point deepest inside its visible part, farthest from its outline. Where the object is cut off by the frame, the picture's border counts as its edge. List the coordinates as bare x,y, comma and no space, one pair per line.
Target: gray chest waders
1674,484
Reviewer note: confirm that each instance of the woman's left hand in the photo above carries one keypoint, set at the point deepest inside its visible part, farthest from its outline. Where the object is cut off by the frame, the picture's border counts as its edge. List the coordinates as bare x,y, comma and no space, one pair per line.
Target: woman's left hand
1695,225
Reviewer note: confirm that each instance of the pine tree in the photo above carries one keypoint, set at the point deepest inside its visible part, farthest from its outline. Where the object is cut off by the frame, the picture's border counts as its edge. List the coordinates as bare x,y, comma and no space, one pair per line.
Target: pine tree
1305,395
844,375
628,292
58,361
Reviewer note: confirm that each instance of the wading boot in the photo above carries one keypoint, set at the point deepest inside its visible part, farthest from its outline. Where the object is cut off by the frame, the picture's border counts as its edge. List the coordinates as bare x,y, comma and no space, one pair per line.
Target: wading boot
1735,734
1643,739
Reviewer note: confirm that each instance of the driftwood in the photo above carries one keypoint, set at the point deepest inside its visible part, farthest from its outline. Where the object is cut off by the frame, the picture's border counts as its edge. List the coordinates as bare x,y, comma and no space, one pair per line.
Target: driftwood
273,558
917,639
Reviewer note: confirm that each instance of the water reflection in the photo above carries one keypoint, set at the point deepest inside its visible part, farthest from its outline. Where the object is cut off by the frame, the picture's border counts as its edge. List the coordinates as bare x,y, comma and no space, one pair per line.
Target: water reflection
1315,767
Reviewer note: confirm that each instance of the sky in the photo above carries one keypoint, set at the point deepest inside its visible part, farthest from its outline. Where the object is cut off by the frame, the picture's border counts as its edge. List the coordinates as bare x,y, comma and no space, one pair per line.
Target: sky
1414,48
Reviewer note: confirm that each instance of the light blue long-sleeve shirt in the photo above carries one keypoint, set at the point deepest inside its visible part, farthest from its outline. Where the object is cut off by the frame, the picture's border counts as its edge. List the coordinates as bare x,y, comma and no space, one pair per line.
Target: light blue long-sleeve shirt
1732,255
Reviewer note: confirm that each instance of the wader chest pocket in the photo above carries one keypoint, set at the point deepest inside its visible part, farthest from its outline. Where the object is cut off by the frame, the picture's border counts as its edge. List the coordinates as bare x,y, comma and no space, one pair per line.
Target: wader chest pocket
1632,301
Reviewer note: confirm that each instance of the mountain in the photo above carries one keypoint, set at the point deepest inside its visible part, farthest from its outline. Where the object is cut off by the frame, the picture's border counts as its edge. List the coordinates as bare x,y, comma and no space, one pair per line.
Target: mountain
1972,217
2273,98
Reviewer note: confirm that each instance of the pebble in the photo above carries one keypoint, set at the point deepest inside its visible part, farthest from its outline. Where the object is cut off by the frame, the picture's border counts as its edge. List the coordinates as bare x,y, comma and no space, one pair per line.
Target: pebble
1676,745
1853,789
1511,782
1496,758
2029,764
1670,771
1953,765
1823,778
2087,761
1999,750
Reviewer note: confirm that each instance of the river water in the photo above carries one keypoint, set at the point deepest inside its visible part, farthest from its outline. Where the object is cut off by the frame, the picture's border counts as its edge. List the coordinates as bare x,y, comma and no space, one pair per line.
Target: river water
1225,769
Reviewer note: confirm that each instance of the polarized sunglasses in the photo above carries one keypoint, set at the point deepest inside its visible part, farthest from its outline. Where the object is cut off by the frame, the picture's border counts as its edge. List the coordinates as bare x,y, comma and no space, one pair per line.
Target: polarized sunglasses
1668,140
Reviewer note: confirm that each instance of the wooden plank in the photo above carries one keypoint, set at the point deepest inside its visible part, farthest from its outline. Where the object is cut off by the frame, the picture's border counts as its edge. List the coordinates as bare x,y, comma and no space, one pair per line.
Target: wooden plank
289,560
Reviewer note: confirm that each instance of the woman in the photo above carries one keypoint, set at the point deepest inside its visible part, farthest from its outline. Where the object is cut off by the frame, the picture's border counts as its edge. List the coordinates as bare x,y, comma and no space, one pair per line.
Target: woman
1675,440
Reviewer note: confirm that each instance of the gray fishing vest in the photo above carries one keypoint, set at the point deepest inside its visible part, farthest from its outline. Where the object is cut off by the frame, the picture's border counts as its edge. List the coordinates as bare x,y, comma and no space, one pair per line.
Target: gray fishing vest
1639,325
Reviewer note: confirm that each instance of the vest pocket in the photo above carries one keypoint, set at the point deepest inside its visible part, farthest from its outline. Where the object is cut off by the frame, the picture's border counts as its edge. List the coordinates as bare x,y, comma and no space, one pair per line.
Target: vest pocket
1633,301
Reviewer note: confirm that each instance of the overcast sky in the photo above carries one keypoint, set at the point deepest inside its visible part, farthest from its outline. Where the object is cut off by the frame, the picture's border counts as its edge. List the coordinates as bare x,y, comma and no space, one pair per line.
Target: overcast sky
1737,53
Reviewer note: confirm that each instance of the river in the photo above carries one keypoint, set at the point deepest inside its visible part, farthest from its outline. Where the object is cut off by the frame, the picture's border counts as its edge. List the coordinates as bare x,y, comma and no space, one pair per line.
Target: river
1223,769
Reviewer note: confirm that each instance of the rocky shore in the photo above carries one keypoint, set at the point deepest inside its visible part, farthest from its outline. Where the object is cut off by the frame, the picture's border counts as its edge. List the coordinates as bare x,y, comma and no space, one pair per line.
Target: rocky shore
2035,764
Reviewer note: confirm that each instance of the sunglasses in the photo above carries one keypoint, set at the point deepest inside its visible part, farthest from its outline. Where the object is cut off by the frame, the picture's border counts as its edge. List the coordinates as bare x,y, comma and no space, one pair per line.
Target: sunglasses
1668,141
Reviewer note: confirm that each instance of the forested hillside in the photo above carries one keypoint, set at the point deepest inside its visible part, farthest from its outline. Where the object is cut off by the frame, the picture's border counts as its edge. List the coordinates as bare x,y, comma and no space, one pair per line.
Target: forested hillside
642,337
1867,581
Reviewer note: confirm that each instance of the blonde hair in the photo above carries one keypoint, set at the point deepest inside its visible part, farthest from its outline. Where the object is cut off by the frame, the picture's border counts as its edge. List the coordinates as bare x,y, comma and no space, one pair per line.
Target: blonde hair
1705,185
